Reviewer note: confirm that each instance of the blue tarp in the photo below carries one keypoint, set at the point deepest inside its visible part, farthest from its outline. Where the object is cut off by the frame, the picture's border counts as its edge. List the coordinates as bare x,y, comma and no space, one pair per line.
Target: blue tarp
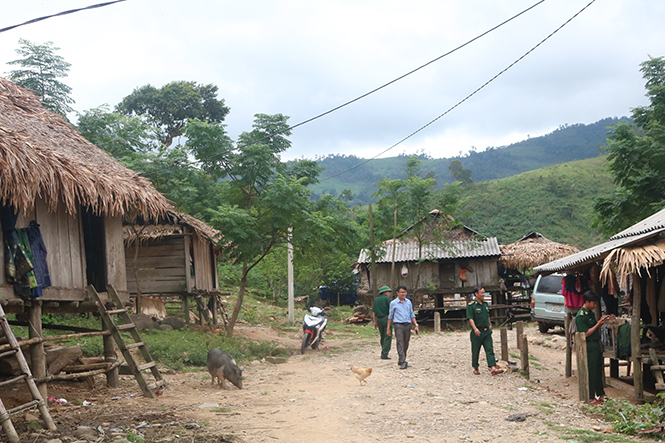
345,298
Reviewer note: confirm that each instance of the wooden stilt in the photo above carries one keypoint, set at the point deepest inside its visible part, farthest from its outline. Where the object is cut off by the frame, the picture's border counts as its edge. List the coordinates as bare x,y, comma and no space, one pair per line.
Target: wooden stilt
37,355
582,367
504,344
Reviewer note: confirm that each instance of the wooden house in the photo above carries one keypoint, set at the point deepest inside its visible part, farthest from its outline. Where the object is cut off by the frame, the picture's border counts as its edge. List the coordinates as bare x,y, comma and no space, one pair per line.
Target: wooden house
77,194
176,257
438,272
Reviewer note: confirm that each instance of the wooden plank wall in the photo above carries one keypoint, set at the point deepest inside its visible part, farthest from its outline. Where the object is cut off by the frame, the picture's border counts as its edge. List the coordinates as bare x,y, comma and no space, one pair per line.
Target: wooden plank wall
64,245
161,267
116,271
203,278
485,272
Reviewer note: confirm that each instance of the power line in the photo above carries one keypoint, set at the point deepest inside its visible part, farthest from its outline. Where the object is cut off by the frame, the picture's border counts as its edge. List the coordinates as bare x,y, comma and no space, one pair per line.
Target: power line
71,11
464,99
386,84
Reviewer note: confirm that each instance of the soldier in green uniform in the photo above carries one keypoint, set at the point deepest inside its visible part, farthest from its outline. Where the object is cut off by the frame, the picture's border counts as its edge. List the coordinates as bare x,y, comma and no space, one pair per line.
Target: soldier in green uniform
380,312
478,314
585,320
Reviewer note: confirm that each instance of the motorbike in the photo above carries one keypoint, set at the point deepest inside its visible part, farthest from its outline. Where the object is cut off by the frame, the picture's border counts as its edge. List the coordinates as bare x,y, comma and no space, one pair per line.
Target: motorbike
313,324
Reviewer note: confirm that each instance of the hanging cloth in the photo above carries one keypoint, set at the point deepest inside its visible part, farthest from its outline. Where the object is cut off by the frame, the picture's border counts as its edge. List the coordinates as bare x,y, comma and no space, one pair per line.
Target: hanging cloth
38,249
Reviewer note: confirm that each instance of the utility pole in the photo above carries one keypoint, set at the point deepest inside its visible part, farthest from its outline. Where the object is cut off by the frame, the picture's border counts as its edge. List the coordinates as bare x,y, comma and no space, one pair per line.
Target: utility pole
372,249
290,277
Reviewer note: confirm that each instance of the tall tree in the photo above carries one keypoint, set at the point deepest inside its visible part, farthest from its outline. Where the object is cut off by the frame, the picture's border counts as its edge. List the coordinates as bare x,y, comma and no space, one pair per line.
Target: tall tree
458,172
264,202
636,159
170,107
40,70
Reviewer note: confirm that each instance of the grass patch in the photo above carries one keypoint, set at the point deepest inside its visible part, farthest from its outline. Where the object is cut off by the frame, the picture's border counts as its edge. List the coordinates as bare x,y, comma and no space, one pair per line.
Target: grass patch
584,436
221,410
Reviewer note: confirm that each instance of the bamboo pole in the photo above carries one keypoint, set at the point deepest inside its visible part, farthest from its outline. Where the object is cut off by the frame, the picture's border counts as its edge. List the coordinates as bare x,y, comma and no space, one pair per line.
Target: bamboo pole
30,341
582,366
636,351
569,343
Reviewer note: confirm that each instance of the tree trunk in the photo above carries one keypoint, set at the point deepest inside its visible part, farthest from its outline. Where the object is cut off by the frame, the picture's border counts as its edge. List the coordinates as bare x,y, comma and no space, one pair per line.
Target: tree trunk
238,306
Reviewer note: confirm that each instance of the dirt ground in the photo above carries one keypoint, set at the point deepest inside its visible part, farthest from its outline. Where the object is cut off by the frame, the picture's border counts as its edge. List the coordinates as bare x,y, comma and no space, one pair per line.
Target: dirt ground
315,397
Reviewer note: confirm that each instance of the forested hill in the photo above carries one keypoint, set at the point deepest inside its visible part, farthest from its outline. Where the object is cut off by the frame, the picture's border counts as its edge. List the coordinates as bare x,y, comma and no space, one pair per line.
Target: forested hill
565,144
556,201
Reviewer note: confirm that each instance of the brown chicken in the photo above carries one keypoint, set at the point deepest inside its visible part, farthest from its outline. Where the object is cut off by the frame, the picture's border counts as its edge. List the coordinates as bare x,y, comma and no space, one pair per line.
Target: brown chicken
361,373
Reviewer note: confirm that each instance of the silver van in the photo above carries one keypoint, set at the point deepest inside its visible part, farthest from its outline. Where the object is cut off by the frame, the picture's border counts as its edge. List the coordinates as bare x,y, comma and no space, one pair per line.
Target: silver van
547,304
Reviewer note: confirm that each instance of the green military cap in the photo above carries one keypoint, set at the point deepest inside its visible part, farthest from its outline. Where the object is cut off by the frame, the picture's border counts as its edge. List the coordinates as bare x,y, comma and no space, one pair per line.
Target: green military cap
384,289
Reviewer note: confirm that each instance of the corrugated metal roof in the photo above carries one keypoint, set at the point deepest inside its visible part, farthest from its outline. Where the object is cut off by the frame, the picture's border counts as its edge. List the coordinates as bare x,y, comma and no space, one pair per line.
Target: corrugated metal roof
652,223
409,251
595,253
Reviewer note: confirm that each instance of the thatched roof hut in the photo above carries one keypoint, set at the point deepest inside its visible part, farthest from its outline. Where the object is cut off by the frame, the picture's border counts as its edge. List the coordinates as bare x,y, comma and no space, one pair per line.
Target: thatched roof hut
173,223
42,155
533,250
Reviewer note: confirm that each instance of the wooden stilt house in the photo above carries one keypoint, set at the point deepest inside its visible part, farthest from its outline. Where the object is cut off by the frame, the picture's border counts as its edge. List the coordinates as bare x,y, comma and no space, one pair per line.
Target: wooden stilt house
176,257
78,195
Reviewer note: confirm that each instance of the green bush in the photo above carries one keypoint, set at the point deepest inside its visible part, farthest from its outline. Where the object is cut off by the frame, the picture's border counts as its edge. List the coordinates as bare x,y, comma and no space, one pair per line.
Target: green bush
629,418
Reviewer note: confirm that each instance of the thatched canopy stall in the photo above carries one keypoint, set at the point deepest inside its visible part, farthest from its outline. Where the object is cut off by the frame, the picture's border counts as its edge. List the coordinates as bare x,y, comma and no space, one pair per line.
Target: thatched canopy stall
176,257
632,260
77,196
533,250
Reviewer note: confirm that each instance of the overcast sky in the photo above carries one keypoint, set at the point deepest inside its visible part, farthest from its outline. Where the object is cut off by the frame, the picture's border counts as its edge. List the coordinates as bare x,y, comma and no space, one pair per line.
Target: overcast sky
302,58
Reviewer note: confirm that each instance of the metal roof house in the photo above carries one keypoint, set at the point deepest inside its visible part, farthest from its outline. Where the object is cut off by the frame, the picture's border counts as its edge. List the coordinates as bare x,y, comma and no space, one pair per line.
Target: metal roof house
434,271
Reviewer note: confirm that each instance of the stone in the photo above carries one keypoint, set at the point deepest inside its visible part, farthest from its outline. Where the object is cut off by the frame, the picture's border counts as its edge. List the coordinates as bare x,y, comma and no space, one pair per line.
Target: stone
85,433
54,440
276,360
143,322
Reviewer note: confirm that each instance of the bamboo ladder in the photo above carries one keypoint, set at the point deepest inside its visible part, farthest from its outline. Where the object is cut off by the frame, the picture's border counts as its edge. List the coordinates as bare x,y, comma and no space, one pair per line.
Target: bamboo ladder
107,316
26,375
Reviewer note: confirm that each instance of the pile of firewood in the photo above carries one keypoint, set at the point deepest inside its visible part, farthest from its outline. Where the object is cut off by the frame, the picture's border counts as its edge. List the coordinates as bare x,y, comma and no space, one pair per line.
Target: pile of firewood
360,315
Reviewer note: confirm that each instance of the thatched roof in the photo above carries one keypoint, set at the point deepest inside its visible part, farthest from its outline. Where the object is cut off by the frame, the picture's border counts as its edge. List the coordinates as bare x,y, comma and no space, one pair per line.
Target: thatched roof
43,156
533,250
634,258
172,224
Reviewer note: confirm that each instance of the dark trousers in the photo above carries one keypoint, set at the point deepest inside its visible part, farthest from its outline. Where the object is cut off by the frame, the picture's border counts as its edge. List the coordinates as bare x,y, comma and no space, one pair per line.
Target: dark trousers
402,335
485,340
596,366
386,340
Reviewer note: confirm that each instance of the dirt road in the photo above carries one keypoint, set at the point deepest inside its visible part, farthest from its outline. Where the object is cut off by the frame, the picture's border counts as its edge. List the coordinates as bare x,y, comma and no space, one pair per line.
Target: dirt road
314,397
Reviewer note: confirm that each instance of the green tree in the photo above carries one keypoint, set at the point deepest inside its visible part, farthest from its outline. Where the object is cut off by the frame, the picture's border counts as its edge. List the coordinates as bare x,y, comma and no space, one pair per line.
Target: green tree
40,70
458,172
170,107
409,201
120,135
264,202
636,159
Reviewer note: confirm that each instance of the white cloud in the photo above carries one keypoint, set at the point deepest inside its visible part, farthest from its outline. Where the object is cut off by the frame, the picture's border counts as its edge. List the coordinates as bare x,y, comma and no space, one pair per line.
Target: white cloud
302,58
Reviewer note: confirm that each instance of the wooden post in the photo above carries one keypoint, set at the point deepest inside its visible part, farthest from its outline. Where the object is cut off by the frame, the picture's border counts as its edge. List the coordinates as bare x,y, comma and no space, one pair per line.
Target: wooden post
519,333
504,344
112,376
373,271
437,321
37,355
524,356
185,307
213,306
582,366
569,343
635,329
